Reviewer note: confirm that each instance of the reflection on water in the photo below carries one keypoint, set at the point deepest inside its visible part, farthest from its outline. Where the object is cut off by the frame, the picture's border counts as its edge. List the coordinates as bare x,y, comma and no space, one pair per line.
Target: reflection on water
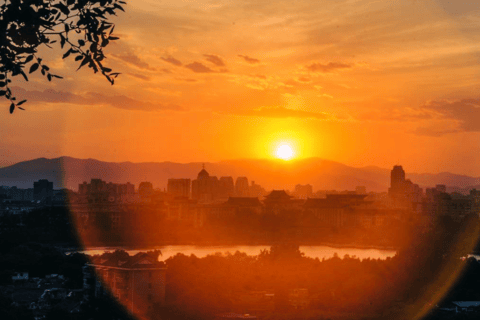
319,252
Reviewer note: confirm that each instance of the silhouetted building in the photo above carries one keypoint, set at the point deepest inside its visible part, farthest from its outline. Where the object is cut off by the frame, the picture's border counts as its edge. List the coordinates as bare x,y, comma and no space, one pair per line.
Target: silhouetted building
256,190
226,187
179,187
360,190
145,189
138,282
99,191
397,181
303,191
403,190
205,187
278,201
43,190
241,187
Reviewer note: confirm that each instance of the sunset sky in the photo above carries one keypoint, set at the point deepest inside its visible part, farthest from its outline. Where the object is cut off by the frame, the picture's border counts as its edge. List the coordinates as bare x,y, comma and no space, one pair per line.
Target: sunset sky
358,82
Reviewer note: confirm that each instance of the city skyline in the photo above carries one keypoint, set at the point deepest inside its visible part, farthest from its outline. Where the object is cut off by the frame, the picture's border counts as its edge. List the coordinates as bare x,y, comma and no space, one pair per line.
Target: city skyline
361,83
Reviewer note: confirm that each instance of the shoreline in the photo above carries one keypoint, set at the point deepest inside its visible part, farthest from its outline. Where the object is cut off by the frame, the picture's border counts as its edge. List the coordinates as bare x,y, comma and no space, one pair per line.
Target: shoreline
206,245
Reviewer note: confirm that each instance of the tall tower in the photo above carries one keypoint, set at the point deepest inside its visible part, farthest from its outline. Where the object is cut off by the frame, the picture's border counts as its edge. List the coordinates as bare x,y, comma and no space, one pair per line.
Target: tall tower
397,181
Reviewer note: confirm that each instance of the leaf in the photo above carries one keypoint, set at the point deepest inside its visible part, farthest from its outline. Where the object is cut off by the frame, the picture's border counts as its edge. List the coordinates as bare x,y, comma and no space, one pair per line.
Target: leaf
2,76
113,38
84,62
21,102
24,75
67,53
21,108
2,92
12,107
62,41
2,84
118,7
55,76
29,58
49,77
34,67
77,58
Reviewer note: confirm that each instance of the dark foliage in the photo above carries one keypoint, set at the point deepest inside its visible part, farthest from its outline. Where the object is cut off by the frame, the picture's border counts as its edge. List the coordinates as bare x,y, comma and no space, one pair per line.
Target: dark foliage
80,27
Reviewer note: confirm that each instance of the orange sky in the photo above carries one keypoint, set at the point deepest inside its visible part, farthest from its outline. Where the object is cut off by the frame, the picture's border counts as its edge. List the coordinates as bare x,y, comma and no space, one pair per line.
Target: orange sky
359,82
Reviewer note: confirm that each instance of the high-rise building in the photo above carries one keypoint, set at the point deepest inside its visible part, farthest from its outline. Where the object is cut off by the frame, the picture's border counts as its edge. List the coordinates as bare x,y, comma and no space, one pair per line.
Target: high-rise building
42,190
226,187
241,187
204,188
179,187
397,179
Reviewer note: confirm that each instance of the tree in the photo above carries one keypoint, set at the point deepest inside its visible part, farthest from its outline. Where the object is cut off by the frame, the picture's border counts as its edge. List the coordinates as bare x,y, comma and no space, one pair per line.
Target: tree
80,27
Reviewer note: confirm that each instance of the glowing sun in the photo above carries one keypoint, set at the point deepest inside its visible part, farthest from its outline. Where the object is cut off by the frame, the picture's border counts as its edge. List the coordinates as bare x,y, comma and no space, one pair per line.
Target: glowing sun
284,152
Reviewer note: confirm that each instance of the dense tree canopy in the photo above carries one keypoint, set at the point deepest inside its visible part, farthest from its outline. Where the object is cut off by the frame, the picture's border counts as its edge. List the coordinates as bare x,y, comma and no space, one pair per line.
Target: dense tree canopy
81,28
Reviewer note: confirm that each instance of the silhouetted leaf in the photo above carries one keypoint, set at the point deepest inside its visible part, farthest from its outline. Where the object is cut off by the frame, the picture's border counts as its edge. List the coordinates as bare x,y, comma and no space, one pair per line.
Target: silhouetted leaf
29,58
12,107
67,53
24,75
21,102
34,67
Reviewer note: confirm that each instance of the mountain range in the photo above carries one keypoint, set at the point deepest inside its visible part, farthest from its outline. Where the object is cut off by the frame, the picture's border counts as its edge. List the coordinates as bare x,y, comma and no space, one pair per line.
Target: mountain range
322,174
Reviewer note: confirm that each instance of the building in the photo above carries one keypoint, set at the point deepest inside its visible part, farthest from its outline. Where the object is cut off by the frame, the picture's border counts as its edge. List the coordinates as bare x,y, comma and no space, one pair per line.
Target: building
138,282
99,191
303,191
402,190
179,187
226,187
241,187
42,190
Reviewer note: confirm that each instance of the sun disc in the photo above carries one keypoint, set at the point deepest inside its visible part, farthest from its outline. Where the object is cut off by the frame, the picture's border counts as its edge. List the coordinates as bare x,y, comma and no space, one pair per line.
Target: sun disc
284,152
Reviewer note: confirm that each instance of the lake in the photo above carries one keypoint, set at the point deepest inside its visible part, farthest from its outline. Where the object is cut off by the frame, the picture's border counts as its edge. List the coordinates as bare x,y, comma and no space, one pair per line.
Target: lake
319,252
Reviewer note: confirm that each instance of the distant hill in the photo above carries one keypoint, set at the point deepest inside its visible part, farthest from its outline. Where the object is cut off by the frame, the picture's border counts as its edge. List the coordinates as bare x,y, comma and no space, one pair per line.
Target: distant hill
322,174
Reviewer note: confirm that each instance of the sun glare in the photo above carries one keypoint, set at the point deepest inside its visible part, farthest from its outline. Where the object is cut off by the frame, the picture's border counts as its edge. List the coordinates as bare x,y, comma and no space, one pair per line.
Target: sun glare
284,152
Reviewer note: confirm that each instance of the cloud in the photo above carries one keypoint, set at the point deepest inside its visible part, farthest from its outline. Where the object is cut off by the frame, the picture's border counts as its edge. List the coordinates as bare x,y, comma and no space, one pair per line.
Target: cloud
329,67
139,76
92,98
249,59
465,112
259,76
216,60
199,67
134,60
282,112
172,60
397,114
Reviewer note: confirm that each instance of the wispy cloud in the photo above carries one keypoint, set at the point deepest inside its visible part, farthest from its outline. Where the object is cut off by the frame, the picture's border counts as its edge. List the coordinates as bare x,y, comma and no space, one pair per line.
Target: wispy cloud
199,67
92,98
172,60
135,60
465,113
329,67
216,60
282,112
249,59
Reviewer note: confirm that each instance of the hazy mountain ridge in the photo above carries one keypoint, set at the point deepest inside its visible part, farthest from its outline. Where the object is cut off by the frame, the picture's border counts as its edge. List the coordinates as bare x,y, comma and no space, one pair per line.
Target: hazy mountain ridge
322,174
